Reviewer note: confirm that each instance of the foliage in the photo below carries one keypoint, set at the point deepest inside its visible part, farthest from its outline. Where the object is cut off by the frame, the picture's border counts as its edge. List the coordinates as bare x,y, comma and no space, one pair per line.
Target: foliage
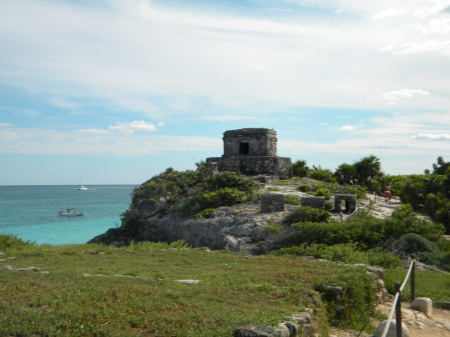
441,166
205,214
367,169
430,284
231,180
272,228
12,241
170,185
300,169
134,292
289,199
361,228
227,196
306,213
423,250
362,172
321,174
336,188
345,174
304,188
345,252
355,305
322,192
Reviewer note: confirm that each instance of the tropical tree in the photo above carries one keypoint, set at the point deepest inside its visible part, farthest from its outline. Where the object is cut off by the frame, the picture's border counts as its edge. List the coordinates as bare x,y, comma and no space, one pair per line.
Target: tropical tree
367,169
440,167
345,174
300,169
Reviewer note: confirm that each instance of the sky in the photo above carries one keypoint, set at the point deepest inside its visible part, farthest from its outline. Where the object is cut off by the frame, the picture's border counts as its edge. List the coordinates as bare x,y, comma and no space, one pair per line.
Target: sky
116,91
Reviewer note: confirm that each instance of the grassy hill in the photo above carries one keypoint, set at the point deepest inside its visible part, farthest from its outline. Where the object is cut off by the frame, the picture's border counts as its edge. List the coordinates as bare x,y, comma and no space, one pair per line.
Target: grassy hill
93,290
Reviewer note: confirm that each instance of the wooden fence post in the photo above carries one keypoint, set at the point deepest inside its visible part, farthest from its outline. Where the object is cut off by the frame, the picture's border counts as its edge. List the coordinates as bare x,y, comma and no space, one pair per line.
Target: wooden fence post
413,278
398,311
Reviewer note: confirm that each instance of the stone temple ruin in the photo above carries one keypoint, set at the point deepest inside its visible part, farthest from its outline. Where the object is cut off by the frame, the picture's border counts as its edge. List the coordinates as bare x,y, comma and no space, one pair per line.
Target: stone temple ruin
251,151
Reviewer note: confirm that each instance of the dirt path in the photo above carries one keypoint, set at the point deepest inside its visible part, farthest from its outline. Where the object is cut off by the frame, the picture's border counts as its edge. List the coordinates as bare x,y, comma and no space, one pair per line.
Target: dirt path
438,325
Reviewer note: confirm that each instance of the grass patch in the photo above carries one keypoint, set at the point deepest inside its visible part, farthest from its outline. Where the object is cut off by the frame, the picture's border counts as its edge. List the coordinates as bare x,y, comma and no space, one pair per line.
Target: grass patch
234,290
431,284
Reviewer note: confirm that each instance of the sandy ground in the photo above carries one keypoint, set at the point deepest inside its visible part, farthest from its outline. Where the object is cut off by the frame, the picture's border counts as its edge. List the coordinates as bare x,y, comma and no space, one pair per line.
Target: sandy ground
437,325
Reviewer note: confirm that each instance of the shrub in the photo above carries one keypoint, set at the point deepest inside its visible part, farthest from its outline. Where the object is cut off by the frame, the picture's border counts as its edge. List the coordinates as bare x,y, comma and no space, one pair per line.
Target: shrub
222,197
12,241
272,228
306,213
170,185
300,169
289,199
205,214
356,303
322,174
231,180
304,188
423,249
323,193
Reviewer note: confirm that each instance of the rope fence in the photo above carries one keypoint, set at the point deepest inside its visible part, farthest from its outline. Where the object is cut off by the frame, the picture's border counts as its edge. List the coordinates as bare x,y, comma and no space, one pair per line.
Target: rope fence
396,307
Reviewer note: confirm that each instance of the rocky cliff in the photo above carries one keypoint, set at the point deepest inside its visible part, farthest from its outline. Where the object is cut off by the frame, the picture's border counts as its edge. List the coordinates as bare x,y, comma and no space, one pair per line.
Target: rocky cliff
240,227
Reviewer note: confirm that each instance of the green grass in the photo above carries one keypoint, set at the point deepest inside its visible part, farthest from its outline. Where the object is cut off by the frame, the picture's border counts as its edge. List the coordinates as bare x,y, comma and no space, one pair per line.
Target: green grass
431,284
234,290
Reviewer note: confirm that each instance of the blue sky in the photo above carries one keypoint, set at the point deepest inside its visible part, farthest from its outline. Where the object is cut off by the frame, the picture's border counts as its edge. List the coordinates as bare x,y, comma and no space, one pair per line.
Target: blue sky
116,91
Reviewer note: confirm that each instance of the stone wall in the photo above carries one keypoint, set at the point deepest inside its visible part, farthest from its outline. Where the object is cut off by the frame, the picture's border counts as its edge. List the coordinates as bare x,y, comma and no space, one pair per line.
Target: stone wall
316,202
280,167
250,142
272,202
251,151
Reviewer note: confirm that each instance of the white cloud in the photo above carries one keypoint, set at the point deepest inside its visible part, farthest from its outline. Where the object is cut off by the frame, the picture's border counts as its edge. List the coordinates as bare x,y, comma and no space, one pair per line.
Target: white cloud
397,95
348,128
432,136
167,53
133,126
5,125
430,46
63,103
259,67
227,118
389,13
8,136
95,131
56,142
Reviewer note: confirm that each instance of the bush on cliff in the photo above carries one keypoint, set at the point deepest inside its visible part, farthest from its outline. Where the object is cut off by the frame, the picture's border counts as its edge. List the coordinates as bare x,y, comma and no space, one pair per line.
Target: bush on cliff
170,185
193,191
306,213
345,252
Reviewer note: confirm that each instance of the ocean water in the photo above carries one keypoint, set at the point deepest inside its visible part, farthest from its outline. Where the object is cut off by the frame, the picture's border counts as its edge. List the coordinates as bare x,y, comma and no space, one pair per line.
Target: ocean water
31,212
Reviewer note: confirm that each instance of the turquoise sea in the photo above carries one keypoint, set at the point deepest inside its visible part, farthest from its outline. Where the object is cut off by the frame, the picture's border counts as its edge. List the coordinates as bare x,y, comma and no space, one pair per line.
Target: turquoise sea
31,212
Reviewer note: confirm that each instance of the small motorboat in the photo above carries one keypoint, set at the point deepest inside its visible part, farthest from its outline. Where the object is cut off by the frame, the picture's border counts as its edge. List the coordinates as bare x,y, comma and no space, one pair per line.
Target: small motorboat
70,212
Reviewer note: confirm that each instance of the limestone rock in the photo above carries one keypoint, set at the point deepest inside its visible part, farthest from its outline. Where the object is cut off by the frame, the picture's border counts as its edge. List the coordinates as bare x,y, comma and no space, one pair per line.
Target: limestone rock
424,305
392,330
251,330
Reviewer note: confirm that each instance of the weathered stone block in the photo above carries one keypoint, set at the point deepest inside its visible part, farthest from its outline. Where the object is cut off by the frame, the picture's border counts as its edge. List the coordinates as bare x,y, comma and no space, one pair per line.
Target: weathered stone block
316,202
424,305
350,202
272,203
251,330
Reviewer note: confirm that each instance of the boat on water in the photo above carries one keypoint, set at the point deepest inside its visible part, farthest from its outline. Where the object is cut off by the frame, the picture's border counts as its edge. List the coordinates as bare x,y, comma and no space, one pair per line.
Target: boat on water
70,212
82,188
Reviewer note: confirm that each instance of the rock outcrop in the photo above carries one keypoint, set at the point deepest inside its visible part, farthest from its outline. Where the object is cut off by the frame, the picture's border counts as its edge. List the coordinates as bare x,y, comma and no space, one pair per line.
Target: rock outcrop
226,229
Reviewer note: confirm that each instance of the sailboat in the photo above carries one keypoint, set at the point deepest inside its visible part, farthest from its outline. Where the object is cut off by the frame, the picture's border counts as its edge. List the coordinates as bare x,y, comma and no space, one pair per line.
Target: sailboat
82,187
